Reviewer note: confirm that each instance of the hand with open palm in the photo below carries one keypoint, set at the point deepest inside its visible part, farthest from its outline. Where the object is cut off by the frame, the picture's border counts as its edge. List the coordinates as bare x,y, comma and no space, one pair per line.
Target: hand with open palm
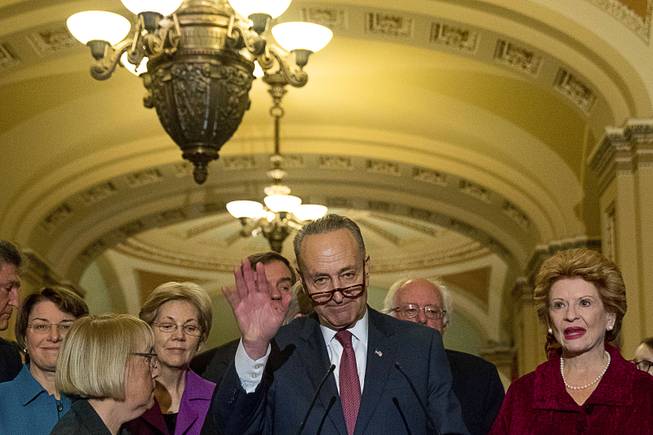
258,306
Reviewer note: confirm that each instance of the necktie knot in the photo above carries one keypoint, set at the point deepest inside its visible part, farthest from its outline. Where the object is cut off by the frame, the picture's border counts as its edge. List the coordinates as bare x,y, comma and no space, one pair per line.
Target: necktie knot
344,337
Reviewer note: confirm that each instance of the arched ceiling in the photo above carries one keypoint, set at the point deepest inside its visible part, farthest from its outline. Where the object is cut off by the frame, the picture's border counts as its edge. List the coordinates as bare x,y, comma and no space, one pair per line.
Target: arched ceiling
472,116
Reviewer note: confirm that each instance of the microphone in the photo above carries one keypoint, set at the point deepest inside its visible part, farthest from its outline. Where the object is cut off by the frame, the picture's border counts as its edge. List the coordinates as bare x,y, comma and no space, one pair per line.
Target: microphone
429,420
317,392
326,412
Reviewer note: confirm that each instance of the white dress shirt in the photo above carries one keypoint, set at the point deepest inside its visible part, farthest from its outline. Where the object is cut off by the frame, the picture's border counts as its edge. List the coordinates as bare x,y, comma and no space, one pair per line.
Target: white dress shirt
250,371
359,343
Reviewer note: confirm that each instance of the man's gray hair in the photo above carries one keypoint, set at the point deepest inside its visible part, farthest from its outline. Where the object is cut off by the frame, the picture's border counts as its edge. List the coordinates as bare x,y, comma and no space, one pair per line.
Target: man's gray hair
327,224
389,301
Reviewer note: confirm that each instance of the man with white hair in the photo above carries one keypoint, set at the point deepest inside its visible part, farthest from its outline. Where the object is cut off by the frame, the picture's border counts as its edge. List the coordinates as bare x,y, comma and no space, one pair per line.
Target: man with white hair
476,382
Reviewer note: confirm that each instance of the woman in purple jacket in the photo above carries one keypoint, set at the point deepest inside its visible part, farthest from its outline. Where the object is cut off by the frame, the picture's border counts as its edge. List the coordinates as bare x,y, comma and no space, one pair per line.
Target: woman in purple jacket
180,315
586,387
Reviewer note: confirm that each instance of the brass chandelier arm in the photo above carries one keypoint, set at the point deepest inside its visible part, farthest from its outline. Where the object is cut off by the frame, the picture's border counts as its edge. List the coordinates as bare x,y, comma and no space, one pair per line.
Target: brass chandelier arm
291,73
143,44
103,68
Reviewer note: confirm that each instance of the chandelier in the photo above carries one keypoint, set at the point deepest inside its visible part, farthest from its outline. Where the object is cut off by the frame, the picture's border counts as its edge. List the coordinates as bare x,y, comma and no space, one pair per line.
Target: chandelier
197,59
281,212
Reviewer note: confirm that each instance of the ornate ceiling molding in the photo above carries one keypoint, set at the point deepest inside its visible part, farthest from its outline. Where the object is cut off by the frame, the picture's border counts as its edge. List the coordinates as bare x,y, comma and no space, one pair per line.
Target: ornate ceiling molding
247,171
421,30
639,25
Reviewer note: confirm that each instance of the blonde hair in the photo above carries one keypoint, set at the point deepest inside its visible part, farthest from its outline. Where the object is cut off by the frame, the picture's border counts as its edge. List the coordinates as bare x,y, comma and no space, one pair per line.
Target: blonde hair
93,361
590,266
184,291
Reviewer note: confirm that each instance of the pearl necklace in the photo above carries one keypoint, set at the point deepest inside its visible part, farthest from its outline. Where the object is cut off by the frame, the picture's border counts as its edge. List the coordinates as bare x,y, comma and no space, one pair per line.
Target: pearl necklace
586,386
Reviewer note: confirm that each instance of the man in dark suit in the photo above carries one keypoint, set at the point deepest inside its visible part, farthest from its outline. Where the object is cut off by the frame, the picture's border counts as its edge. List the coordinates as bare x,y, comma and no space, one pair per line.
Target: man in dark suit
10,262
476,382
277,372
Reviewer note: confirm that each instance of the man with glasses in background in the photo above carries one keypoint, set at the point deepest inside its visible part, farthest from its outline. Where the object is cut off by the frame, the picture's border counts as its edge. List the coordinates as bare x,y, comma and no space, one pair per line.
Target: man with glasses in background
10,262
644,356
476,382
345,368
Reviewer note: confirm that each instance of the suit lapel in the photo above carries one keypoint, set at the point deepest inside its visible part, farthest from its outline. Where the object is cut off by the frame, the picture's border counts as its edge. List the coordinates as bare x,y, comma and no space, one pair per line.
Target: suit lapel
380,360
154,418
316,360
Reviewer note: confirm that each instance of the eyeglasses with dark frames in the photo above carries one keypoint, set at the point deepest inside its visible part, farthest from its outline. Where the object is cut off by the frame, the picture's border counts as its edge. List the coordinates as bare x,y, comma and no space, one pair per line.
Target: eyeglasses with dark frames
411,311
151,358
643,365
350,292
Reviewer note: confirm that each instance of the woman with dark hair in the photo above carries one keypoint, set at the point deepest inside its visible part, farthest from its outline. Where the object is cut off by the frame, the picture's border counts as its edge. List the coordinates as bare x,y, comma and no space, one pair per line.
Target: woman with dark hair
586,386
31,403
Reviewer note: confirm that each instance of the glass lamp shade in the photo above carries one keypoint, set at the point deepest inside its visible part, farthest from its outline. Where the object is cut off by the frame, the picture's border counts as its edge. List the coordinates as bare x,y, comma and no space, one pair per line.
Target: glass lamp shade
98,26
273,8
282,203
136,70
310,212
163,7
245,209
258,70
298,35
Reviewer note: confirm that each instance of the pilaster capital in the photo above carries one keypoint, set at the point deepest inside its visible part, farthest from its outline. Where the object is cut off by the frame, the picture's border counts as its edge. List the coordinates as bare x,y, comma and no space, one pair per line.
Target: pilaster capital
522,291
623,150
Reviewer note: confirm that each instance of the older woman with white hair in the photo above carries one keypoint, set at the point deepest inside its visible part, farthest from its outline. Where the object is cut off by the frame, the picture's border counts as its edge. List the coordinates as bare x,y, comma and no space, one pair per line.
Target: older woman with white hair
180,315
108,362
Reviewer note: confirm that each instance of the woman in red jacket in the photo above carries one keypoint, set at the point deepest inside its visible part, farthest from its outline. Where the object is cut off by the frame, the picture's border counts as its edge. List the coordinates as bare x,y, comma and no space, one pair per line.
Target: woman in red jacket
586,387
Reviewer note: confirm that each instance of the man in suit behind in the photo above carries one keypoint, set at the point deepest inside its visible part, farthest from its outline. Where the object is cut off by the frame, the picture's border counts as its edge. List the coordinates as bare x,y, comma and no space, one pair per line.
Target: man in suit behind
10,262
213,363
476,382
277,371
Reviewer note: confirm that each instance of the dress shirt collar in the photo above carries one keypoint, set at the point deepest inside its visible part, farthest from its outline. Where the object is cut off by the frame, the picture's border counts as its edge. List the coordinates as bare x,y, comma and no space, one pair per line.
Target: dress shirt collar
359,330
28,388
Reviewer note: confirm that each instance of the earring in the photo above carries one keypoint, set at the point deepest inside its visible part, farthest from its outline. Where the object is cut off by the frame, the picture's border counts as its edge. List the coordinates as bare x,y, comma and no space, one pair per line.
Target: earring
550,331
610,327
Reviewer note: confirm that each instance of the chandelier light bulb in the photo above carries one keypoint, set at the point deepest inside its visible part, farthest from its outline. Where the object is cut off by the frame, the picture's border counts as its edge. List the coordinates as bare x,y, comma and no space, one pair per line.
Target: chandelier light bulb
136,70
98,26
161,7
246,8
282,203
310,212
299,35
258,70
245,209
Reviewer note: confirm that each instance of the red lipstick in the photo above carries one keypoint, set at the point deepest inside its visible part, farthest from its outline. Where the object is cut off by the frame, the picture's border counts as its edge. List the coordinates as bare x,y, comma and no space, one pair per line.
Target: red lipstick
574,332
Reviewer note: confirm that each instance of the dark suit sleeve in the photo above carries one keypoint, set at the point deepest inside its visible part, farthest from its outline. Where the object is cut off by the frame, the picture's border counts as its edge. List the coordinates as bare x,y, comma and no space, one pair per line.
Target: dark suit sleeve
10,362
442,402
234,411
493,399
